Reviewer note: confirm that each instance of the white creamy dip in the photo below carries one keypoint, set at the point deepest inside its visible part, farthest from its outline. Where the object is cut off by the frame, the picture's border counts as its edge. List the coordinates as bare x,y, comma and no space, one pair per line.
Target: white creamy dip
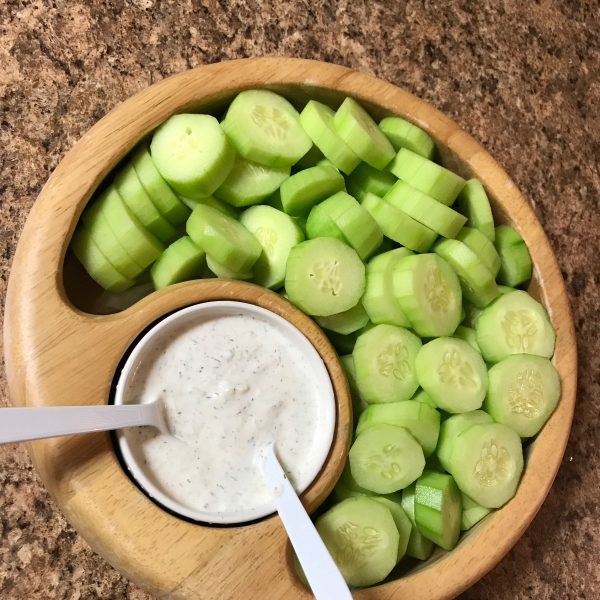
232,382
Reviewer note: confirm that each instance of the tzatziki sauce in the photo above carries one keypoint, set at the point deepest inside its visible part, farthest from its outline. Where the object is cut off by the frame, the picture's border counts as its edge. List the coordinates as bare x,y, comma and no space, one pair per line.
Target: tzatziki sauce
232,383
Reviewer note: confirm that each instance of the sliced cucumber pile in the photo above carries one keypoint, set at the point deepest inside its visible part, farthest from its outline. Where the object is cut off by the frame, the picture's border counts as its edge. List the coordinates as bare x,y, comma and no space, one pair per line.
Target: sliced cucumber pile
448,362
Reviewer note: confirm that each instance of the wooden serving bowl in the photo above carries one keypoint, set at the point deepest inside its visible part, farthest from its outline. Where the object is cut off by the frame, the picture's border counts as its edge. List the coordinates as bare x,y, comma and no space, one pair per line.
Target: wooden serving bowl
57,354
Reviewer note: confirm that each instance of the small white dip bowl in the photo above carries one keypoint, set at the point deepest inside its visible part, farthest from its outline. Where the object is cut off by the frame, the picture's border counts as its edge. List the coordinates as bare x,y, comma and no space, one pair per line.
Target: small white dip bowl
199,313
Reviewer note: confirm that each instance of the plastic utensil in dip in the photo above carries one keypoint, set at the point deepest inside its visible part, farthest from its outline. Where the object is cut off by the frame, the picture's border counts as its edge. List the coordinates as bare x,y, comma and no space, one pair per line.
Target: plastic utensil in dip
235,378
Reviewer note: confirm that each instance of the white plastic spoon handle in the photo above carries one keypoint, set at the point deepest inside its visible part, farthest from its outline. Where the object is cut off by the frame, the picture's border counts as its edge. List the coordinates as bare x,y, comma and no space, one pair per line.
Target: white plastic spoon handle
325,579
33,423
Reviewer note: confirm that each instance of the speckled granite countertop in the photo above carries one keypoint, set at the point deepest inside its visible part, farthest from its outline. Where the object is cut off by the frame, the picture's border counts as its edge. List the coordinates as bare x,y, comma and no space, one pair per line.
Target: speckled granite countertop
521,77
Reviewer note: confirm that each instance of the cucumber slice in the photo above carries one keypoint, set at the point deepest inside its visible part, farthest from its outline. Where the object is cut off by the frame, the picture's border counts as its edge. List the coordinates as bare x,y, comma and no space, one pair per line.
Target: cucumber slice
358,402
277,233
402,522
515,323
386,246
453,373
137,200
193,154
356,127
362,538
384,358
423,396
421,420
472,513
161,194
438,508
386,459
225,240
398,226
471,315
424,209
514,256
213,202
324,277
99,230
487,462
450,430
468,335
366,178
429,294
379,300
310,159
346,322
357,225
403,134
474,204
225,273
303,190
482,247
429,178
477,282
265,128
249,183
141,245
320,224
523,391
181,261
96,264
317,121
418,545
325,162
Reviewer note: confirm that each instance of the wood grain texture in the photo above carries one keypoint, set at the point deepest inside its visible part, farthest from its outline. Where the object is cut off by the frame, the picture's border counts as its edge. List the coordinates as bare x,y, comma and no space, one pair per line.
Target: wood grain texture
57,354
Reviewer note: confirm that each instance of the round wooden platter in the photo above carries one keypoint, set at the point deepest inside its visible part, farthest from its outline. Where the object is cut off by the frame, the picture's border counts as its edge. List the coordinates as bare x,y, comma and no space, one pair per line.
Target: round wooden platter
57,354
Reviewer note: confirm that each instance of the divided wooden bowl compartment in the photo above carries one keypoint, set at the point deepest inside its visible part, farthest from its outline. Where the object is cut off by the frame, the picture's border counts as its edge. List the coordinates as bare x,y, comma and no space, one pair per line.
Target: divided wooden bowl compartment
57,353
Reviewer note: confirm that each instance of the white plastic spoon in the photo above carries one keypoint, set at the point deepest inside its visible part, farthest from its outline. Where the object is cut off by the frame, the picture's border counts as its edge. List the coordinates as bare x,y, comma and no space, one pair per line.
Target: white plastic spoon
35,423
324,577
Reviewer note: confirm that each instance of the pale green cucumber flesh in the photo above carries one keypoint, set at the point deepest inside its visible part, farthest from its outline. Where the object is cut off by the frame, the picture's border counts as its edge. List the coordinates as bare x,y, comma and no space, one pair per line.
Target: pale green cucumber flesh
422,396
474,204
476,280
324,277
181,261
265,128
303,190
193,154
482,247
344,344
358,402
487,462
429,294
310,159
403,134
516,266
403,524
277,233
160,192
223,272
452,427
96,264
398,226
515,323
362,538
418,545
385,459
453,373
250,183
366,178
317,121
225,240
472,513
347,322
438,508
523,391
384,360
428,177
213,202
356,127
421,420
320,224
425,209
468,335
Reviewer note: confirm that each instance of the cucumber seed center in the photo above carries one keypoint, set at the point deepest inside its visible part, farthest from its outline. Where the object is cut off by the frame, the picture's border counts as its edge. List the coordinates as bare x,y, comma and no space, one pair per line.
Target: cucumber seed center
494,464
526,393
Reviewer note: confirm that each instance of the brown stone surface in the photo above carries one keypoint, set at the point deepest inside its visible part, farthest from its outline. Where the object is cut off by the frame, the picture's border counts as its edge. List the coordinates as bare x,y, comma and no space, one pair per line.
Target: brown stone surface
521,77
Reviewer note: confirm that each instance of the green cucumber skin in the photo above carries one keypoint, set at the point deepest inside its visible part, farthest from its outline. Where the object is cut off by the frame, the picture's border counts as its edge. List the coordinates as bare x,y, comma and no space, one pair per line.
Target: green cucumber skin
516,266
474,204
403,134
418,545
